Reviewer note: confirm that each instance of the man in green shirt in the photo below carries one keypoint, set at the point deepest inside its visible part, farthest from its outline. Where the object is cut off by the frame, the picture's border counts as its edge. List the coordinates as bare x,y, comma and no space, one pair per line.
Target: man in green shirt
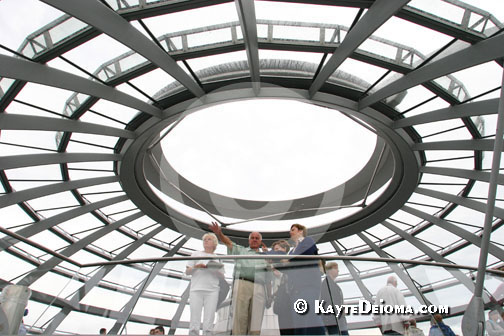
249,284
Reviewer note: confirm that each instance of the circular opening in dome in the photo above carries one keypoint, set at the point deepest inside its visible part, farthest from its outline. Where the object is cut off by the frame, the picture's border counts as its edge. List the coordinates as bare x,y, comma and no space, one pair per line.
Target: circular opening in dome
268,149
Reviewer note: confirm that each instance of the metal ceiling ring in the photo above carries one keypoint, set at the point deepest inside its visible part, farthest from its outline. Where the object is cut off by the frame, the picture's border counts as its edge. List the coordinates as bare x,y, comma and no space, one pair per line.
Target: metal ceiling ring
401,167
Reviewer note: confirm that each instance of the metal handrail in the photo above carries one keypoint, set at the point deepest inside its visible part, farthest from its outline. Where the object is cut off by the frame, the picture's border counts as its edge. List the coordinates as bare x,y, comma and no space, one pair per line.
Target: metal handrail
297,257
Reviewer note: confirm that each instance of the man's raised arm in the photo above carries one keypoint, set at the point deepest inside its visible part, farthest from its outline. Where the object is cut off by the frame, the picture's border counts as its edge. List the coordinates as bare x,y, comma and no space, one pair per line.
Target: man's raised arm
222,237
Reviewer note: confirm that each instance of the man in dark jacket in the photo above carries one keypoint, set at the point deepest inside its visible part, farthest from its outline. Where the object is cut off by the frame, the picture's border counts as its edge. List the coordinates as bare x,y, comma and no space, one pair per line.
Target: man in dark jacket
332,295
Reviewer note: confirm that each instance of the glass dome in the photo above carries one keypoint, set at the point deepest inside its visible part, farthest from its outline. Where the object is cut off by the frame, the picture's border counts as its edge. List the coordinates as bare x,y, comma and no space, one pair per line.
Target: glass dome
390,109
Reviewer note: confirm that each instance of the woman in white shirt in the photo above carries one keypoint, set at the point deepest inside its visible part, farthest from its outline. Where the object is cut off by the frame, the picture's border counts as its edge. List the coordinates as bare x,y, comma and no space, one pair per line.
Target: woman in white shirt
204,290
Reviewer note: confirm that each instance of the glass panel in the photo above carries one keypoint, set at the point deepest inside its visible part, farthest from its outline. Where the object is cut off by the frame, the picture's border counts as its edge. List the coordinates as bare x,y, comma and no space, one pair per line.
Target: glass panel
432,105
390,28
109,48
453,87
12,14
65,29
443,183
33,93
465,215
200,63
490,6
5,84
164,289
480,78
16,217
453,129
458,13
39,139
413,97
303,70
403,217
278,11
116,111
367,72
195,18
149,83
51,172
450,159
100,192
90,169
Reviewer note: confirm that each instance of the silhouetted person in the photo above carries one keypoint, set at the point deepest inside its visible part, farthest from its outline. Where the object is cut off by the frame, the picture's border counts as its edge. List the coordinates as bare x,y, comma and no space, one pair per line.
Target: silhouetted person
438,328
204,291
392,324
493,327
332,295
412,329
249,295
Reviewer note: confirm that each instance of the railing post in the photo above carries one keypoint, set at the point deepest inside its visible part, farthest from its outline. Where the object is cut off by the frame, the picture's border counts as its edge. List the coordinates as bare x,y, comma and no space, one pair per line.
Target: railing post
475,309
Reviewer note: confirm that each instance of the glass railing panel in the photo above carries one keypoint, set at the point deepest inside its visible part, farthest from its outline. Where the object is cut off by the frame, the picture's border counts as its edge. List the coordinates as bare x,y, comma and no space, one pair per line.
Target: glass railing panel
136,298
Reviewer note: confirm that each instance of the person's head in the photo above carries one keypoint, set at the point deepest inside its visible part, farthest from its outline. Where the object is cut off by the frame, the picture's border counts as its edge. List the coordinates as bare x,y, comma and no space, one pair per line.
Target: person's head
297,231
412,322
281,245
103,331
493,315
210,242
255,240
332,269
159,330
437,318
392,280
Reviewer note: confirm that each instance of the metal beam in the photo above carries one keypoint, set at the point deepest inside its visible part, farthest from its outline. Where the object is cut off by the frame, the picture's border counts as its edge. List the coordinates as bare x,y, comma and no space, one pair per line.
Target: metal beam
355,275
476,307
470,145
39,246
49,265
395,268
96,14
130,305
26,122
246,13
485,107
180,309
468,203
16,68
95,280
54,188
457,274
462,173
32,160
456,230
50,222
481,52
377,15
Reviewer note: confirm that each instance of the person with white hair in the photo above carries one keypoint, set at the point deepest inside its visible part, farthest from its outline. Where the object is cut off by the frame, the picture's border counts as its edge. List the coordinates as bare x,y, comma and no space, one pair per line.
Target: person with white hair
392,324
204,291
249,288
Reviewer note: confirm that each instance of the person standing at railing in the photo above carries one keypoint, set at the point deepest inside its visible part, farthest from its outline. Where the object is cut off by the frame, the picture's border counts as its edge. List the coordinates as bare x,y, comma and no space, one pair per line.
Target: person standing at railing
281,298
333,295
304,282
493,327
249,297
411,329
438,328
391,324
204,292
